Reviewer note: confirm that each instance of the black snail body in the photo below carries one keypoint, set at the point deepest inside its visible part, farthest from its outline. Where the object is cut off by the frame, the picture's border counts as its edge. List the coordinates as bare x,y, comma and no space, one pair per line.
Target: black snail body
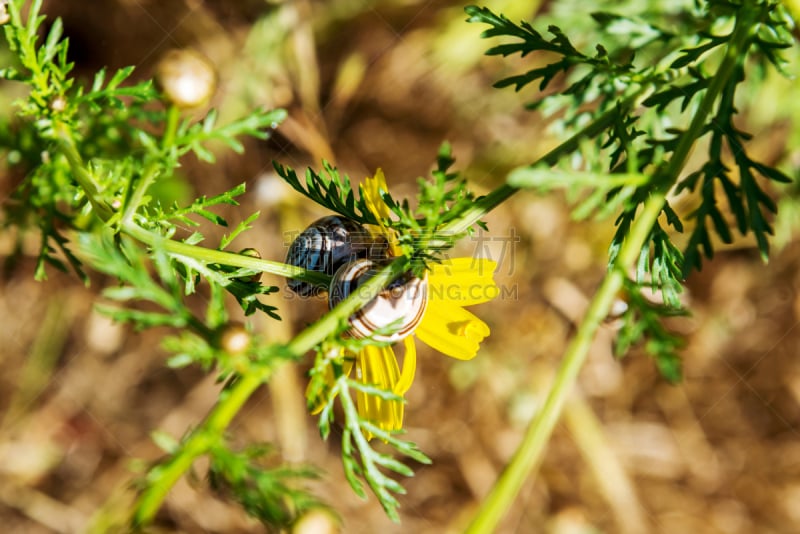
400,306
327,244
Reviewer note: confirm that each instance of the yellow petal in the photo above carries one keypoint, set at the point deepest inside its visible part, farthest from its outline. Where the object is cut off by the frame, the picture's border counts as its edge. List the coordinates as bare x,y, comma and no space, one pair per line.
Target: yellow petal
409,367
451,330
378,367
463,281
371,193
388,234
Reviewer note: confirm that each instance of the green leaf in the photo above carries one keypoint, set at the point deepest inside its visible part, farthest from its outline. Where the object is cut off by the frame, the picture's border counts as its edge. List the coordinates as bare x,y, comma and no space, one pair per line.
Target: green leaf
690,55
180,360
199,207
258,124
241,227
270,494
50,48
329,190
164,441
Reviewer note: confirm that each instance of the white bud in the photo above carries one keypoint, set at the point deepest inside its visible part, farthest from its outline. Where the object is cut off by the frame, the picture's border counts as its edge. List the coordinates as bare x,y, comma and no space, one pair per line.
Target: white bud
235,339
58,104
316,522
4,16
186,78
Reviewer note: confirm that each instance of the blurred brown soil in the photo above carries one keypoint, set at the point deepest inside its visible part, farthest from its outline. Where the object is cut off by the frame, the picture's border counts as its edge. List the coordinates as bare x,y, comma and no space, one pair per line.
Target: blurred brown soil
79,396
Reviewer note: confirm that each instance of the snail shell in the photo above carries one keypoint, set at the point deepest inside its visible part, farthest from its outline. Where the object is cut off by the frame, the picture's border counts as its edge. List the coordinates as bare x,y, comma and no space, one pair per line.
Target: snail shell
402,303
253,253
327,244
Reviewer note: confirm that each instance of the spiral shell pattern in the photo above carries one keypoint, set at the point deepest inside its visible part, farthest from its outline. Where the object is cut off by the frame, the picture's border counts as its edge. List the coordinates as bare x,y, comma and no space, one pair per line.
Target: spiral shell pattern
402,303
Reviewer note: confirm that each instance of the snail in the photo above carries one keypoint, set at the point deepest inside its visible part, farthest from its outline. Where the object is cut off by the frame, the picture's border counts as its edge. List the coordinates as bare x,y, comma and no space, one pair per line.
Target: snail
253,253
327,244
401,304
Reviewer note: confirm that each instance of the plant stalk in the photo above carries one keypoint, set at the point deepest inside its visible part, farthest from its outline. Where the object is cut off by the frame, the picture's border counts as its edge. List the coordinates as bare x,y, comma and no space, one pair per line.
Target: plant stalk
204,254
134,202
538,433
531,449
151,171
210,255
161,479
81,174
173,116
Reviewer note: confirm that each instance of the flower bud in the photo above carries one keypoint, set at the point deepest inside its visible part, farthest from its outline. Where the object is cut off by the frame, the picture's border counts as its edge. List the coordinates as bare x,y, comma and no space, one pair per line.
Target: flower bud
186,78
234,339
317,521
58,104
619,307
4,16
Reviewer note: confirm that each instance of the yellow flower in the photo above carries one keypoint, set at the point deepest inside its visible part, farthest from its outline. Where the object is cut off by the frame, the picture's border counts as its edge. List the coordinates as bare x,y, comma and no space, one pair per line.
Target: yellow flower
446,326
371,193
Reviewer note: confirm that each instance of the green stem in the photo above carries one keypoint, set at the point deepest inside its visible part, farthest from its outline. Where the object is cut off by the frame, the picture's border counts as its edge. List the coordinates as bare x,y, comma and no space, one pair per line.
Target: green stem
538,433
161,479
330,322
532,447
210,255
144,183
67,145
151,171
173,115
207,255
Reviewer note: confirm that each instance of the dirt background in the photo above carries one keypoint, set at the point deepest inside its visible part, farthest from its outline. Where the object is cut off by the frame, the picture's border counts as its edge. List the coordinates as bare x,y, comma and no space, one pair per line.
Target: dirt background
383,84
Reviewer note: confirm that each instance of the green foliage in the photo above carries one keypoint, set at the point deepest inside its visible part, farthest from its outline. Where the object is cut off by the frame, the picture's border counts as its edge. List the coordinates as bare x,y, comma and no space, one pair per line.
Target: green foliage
625,102
195,136
93,149
45,68
642,320
89,156
269,494
443,198
747,199
602,68
199,207
606,194
368,462
127,263
362,463
329,190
